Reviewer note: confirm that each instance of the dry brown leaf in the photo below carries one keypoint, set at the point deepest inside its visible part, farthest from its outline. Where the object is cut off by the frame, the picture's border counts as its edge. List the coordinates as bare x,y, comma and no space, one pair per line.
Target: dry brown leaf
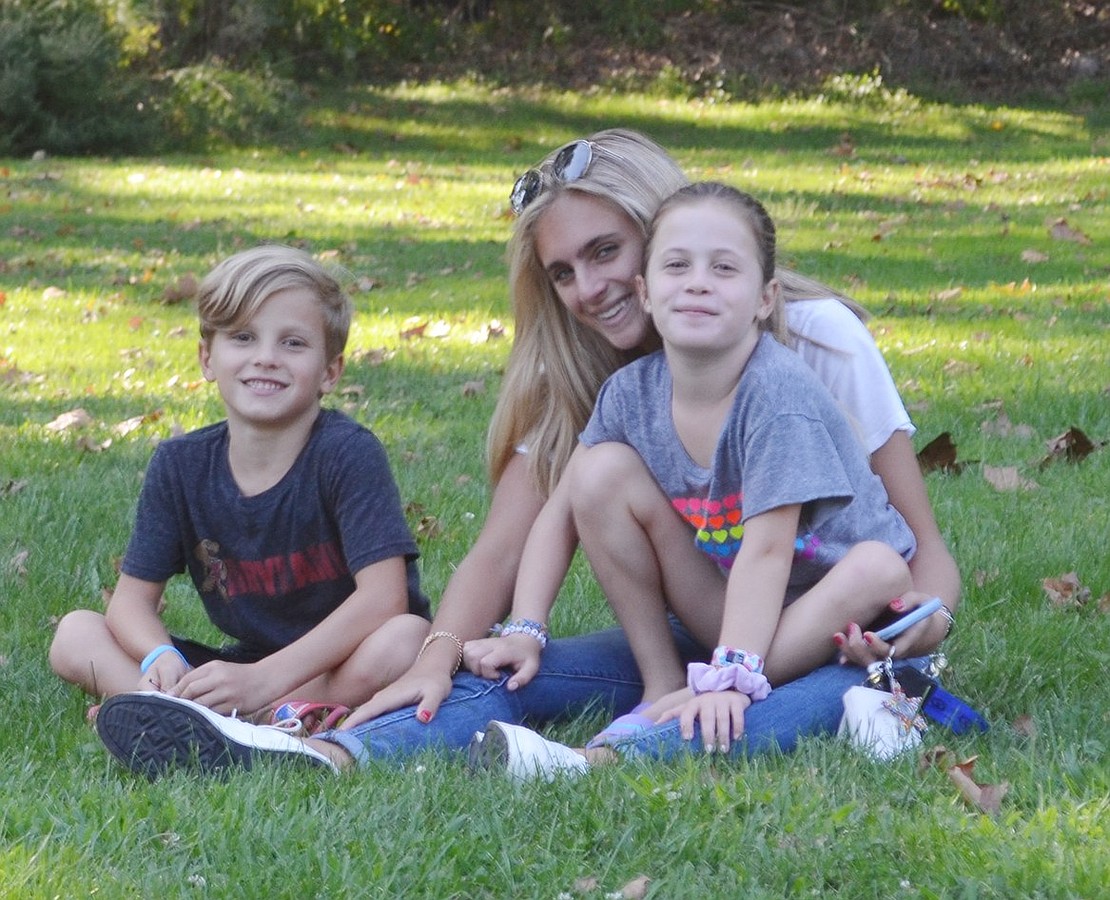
1062,231
413,327
636,889
1007,478
184,288
585,884
1025,726
428,528
11,487
950,294
1033,256
983,576
1066,590
17,565
87,444
939,453
1072,446
68,421
473,388
494,330
1003,427
987,797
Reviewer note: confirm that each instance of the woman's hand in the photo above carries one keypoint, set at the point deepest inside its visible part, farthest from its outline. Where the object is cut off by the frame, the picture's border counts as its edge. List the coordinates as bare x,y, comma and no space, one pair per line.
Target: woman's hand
423,686
519,653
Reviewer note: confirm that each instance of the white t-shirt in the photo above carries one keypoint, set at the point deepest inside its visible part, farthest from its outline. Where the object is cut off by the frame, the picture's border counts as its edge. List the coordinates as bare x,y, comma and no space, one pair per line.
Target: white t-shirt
840,349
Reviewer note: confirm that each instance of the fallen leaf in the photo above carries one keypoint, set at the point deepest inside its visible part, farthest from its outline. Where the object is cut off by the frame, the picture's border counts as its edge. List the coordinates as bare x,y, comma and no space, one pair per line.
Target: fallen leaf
585,884
987,797
1025,726
413,327
1062,231
87,444
1072,446
439,329
939,453
11,487
1033,256
1104,603
473,388
636,889
67,421
950,294
1066,590
1007,478
1003,427
17,565
494,330
428,527
184,288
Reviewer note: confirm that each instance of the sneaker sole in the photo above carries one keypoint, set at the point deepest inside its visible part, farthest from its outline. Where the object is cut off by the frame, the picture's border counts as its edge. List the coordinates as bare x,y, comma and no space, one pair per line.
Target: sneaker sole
491,752
152,735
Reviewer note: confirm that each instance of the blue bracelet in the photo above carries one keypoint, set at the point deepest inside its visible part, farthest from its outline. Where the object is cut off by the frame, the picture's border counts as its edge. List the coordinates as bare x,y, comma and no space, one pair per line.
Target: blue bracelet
148,660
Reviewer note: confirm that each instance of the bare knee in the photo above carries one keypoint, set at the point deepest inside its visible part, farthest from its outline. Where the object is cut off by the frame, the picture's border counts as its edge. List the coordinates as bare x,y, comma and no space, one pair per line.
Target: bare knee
77,632
878,564
611,470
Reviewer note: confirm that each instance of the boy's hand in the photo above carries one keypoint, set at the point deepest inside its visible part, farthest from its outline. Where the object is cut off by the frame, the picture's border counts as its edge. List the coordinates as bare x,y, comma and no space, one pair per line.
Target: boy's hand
720,713
518,652
225,687
164,673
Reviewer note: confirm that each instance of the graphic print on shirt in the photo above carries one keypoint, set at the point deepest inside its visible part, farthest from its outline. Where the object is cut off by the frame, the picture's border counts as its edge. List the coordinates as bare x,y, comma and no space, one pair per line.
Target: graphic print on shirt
269,577
718,531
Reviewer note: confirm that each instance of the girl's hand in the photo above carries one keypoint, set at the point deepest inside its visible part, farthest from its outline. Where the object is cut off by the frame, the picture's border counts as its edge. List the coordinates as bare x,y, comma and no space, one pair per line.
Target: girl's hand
517,652
720,714
422,687
861,648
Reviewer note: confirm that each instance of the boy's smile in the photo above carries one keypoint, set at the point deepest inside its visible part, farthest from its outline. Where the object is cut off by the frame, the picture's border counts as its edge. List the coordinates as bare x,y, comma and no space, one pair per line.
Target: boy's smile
272,369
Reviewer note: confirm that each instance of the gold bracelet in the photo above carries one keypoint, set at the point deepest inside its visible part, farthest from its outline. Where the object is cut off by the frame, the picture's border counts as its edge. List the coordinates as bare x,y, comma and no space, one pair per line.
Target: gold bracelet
435,636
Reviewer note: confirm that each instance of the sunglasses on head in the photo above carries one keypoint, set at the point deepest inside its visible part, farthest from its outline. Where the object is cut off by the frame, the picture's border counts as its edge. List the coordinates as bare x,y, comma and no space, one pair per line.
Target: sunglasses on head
569,164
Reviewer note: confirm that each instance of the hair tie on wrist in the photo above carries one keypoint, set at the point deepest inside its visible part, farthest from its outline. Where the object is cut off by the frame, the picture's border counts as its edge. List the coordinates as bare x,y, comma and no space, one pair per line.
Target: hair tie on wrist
149,659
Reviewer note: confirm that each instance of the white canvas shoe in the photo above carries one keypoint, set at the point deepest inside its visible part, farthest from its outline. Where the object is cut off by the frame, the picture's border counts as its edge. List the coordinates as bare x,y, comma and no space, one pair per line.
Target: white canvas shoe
151,733
523,754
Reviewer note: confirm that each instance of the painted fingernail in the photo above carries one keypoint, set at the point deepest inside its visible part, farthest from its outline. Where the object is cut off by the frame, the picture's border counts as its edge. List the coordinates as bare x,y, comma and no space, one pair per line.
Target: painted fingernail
868,639
424,715
897,604
838,639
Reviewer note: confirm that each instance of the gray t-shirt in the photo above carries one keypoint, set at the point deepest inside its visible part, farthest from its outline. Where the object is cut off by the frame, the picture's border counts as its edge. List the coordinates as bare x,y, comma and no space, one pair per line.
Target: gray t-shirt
784,442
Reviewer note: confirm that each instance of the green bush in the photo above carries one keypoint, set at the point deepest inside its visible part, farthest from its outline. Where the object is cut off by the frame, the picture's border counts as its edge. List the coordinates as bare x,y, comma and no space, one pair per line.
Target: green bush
63,88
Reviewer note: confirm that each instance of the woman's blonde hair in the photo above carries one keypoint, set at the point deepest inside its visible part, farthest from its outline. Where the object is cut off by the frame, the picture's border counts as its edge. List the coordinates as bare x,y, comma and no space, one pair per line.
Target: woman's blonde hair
557,364
237,287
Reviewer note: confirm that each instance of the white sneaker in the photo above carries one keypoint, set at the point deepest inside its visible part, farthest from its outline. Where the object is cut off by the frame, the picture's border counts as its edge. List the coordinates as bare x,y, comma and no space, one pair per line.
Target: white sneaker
523,754
151,733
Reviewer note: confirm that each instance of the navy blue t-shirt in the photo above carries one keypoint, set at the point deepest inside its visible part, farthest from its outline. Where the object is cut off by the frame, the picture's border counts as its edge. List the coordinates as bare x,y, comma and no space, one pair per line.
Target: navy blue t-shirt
271,567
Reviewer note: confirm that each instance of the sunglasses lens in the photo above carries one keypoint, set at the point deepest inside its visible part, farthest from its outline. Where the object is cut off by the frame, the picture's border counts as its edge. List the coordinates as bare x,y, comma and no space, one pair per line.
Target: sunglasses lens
572,161
525,190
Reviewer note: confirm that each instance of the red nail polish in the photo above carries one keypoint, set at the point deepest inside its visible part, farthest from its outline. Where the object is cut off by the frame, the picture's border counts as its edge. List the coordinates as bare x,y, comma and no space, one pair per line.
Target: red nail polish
868,639
838,639
424,716
897,604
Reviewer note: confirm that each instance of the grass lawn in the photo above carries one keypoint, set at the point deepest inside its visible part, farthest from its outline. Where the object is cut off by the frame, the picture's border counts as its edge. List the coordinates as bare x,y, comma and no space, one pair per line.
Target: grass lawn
980,238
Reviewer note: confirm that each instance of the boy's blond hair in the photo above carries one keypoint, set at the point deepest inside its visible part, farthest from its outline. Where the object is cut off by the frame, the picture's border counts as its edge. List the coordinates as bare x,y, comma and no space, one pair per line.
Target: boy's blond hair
236,288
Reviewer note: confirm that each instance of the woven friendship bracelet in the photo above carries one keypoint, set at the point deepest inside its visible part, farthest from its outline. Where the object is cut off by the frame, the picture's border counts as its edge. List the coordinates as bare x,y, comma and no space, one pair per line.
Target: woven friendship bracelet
454,638
529,627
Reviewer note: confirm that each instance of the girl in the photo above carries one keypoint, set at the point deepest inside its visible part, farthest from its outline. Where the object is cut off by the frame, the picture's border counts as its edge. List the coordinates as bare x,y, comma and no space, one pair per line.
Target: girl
726,437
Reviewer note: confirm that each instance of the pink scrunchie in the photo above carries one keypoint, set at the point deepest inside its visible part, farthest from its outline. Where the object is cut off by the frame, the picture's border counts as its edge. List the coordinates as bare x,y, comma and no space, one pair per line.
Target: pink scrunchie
702,678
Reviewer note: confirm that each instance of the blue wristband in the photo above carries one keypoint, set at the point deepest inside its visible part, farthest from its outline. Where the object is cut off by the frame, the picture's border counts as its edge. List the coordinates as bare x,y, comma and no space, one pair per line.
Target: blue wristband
149,659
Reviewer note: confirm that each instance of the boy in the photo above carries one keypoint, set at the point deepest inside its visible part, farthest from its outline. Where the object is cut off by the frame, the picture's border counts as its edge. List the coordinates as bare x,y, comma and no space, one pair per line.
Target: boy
286,516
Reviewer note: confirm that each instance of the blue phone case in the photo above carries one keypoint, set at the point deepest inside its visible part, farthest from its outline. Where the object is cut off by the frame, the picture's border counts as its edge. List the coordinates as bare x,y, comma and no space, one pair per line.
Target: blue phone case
894,629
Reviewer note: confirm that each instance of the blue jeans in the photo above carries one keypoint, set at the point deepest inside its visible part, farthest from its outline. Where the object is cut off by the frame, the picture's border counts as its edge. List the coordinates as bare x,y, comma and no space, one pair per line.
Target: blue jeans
594,671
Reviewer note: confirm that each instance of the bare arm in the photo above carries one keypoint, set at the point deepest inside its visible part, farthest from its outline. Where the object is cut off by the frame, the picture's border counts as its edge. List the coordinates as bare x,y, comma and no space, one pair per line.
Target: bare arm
479,594
381,592
934,571
133,620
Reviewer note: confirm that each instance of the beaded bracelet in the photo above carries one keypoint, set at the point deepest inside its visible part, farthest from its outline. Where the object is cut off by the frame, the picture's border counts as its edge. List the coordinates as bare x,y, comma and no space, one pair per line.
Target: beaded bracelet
529,627
454,638
149,659
730,656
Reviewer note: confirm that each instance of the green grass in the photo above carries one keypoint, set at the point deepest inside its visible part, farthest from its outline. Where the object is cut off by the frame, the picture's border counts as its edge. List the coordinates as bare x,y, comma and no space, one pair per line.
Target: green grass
406,188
